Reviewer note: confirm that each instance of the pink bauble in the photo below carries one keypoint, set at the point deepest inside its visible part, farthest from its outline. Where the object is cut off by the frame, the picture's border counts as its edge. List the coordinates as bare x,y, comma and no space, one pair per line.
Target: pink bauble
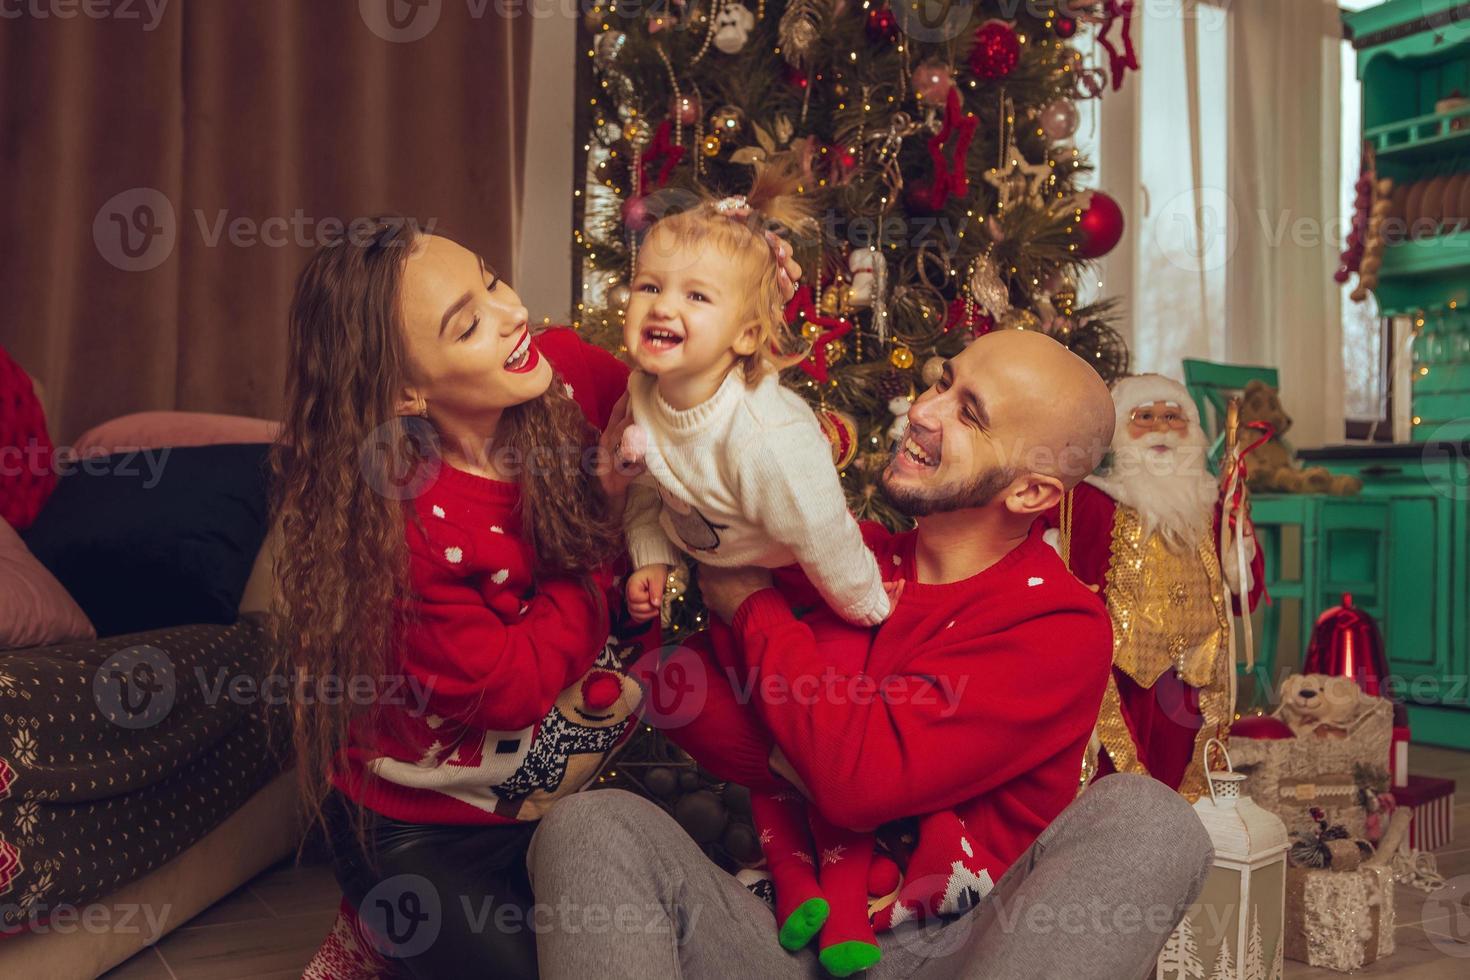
1100,227
932,82
635,213
685,110
1059,119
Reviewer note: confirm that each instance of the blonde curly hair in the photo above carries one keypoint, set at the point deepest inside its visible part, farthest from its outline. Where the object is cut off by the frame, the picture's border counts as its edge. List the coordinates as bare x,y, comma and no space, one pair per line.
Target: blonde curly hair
778,204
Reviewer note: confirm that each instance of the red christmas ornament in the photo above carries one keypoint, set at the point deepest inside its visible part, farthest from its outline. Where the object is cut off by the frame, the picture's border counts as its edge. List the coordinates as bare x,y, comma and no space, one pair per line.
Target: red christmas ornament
882,25
1346,643
685,109
1100,227
996,50
1065,27
795,77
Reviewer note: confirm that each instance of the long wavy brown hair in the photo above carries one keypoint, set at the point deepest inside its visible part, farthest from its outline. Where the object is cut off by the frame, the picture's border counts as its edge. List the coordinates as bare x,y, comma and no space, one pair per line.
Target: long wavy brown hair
346,467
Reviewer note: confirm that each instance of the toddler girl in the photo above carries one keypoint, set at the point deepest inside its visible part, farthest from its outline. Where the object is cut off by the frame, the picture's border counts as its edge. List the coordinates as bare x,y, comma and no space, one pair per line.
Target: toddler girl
739,473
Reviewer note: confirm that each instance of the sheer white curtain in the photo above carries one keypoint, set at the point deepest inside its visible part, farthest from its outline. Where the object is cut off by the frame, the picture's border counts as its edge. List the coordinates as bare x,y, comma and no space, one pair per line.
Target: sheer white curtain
1223,152
1286,112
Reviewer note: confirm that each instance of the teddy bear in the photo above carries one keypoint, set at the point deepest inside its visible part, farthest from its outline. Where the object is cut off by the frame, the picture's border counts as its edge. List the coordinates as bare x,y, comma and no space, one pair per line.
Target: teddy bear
1270,465
1320,706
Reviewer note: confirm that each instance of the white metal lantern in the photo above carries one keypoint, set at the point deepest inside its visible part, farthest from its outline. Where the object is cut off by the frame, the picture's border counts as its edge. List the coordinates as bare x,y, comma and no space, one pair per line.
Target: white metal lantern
1234,930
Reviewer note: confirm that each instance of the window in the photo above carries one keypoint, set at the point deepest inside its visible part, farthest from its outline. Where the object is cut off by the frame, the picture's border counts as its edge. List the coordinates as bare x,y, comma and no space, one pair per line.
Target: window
1184,230
1364,364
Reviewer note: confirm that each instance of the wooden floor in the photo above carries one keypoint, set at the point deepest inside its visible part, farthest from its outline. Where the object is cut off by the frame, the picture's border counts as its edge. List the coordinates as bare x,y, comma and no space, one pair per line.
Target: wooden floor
269,928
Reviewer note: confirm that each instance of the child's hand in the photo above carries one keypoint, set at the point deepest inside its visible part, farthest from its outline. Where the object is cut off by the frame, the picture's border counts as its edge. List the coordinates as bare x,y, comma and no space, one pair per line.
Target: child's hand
646,592
894,590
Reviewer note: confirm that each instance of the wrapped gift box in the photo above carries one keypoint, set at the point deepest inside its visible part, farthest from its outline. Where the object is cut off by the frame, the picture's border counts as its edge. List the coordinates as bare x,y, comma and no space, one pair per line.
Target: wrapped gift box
1339,920
1433,804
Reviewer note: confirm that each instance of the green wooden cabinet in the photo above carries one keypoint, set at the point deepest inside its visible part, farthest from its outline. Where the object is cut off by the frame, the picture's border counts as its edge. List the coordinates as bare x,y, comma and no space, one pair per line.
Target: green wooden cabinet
1413,58
1425,592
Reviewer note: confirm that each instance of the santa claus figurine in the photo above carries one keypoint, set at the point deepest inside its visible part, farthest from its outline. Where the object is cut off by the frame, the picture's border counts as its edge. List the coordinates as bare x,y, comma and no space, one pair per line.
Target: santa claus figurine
1145,532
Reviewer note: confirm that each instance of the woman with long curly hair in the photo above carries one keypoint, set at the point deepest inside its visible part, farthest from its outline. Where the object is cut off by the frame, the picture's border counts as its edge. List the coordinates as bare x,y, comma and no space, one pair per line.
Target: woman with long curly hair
448,620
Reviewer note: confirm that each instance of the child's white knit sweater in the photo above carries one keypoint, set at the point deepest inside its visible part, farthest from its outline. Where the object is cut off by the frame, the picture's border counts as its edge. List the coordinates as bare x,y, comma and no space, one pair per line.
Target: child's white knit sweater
746,478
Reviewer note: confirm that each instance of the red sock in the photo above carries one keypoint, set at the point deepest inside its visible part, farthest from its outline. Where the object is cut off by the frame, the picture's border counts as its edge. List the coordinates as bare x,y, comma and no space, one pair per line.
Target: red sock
848,943
944,874
781,821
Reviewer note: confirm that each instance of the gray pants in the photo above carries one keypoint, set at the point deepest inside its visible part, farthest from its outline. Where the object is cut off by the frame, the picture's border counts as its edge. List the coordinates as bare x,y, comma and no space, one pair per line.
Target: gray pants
625,893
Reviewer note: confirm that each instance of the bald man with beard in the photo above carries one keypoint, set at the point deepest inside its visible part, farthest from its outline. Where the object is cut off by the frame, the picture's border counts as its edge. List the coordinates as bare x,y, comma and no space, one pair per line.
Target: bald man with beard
974,701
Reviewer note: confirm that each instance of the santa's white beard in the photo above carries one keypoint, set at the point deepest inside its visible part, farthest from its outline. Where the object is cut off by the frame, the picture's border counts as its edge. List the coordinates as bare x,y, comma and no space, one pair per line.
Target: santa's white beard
1171,489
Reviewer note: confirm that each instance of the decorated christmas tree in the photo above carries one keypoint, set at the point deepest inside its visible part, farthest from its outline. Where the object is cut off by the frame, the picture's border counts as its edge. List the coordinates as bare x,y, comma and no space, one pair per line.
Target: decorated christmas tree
937,137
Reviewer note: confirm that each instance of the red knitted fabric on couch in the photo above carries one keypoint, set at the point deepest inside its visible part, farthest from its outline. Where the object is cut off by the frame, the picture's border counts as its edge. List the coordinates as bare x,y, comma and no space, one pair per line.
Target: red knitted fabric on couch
26,474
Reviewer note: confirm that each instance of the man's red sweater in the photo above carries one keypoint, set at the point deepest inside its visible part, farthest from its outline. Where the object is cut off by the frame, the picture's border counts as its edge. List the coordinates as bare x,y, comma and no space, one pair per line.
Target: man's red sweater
514,692
994,685
976,696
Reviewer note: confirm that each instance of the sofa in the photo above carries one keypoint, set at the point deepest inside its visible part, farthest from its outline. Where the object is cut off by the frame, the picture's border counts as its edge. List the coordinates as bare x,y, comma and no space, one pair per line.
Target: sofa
140,823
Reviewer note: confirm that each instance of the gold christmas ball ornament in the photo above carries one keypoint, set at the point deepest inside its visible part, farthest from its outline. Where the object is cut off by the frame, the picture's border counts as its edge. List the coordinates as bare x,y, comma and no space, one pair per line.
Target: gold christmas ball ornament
726,120
835,298
810,330
836,351
901,358
932,371
637,132
711,145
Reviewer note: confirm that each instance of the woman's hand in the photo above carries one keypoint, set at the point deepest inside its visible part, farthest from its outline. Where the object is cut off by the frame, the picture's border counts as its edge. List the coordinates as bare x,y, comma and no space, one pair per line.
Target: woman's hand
616,473
726,589
646,592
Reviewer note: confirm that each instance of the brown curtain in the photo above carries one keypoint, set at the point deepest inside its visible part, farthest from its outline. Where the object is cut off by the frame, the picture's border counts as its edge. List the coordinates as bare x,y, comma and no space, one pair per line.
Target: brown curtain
235,132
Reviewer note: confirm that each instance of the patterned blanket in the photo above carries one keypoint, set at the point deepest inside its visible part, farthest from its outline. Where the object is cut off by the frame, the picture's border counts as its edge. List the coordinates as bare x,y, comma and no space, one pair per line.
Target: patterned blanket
118,754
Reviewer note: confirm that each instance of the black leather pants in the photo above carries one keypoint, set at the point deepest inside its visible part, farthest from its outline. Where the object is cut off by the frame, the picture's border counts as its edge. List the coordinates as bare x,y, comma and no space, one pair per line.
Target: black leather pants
447,900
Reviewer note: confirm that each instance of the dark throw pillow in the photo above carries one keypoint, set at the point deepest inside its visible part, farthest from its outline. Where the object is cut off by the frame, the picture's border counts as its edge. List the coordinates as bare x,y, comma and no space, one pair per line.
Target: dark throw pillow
154,538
